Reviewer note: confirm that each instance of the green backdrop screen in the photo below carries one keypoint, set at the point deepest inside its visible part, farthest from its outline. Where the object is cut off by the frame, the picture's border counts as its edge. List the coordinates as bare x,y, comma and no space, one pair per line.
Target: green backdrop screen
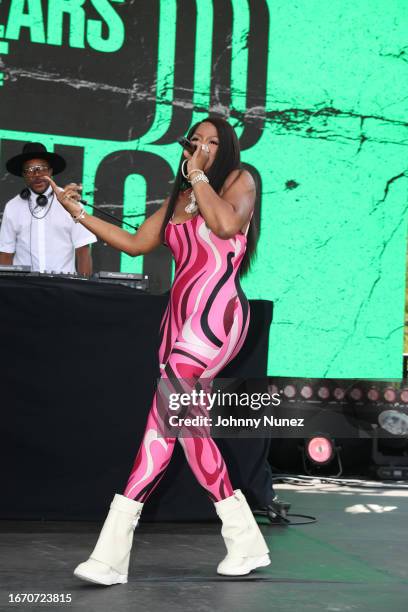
317,92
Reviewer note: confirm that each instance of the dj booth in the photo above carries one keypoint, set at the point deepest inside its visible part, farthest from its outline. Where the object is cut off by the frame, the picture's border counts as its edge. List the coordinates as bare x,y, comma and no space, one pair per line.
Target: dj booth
78,370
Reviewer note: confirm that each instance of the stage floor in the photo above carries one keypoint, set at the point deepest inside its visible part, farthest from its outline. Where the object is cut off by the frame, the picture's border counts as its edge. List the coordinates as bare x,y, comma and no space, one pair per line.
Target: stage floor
353,558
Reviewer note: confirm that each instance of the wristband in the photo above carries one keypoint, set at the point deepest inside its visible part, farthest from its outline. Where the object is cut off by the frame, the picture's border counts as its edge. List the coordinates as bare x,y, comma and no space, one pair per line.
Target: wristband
80,216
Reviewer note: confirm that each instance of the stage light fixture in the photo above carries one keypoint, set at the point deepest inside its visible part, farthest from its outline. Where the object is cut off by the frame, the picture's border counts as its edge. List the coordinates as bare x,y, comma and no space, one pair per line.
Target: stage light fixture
373,395
390,395
320,449
272,389
394,422
319,453
356,394
306,391
339,393
289,391
404,396
323,392
390,455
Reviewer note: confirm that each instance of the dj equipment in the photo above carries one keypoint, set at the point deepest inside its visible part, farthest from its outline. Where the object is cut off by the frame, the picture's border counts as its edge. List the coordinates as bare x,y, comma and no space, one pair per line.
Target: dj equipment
25,271
41,199
10,270
128,279
135,281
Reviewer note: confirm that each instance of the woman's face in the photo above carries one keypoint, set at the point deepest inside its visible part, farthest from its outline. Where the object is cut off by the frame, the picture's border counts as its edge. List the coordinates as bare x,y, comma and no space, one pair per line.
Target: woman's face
206,133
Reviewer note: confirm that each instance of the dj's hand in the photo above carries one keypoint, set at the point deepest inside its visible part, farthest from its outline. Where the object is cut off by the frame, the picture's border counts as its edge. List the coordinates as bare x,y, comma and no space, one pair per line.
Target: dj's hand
68,196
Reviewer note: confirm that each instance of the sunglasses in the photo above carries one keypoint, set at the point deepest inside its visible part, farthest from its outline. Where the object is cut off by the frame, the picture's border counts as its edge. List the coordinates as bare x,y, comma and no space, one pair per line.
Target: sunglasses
31,170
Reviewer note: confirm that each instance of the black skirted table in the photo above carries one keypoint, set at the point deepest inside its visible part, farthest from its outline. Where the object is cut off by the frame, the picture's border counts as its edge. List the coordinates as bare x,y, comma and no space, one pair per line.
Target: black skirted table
78,370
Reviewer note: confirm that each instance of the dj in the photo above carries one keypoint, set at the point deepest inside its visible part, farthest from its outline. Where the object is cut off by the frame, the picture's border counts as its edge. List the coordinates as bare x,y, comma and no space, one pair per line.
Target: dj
36,230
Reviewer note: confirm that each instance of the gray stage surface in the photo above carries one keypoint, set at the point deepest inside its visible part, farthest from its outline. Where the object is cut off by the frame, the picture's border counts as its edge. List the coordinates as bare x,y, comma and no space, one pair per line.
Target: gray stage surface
354,558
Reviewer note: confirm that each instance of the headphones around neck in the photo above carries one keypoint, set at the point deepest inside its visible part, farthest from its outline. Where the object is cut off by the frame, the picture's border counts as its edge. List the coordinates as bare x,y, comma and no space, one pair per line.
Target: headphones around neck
42,200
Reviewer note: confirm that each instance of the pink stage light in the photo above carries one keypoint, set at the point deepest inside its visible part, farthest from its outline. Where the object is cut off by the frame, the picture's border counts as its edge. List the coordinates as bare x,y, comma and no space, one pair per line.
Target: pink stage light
289,391
373,395
390,395
323,392
306,391
356,393
320,449
339,393
404,396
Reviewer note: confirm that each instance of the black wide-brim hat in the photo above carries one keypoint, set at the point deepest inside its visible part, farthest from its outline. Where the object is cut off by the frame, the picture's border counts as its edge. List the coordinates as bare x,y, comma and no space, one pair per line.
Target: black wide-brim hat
35,150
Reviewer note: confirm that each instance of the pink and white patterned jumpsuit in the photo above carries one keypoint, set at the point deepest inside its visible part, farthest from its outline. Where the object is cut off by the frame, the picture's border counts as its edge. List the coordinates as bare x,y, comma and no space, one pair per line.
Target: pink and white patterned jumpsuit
203,327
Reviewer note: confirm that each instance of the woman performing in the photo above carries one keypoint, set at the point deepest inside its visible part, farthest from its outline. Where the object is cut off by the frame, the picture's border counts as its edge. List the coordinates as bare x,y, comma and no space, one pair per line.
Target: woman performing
203,328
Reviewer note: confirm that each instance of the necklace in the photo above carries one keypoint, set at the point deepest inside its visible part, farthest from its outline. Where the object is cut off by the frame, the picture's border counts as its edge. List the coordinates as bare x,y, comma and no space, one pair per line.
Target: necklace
192,205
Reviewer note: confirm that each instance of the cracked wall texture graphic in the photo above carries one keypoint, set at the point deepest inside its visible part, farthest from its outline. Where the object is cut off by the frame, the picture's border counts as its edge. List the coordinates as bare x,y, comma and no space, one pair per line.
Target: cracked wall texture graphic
317,92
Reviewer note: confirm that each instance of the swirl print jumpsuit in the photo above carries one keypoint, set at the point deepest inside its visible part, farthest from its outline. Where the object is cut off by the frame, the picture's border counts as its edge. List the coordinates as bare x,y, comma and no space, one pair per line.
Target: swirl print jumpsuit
203,327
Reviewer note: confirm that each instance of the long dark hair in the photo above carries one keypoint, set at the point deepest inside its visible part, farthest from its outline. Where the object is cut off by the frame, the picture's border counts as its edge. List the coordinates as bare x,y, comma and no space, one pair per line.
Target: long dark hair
226,160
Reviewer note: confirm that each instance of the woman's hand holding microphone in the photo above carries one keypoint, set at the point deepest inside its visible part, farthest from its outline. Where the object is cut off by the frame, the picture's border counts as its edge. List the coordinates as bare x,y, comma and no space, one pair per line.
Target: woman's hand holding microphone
197,160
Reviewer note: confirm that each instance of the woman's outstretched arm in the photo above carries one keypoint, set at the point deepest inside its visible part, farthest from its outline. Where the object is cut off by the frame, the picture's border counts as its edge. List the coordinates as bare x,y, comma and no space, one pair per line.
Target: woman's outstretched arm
146,239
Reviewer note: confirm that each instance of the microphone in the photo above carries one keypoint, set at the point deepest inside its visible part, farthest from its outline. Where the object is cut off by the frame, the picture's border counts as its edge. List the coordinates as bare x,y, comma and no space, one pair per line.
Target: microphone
103,212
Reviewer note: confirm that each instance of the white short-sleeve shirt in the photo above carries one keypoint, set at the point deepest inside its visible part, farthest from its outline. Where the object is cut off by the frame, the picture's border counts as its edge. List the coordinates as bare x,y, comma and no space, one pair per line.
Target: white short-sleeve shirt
47,244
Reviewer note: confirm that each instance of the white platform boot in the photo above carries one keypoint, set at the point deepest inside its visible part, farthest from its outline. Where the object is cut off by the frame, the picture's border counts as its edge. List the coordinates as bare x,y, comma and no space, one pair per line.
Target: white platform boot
246,546
109,561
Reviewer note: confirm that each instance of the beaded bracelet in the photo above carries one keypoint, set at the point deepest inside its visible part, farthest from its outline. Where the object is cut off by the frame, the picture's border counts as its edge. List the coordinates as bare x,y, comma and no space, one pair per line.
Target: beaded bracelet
194,170
200,177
